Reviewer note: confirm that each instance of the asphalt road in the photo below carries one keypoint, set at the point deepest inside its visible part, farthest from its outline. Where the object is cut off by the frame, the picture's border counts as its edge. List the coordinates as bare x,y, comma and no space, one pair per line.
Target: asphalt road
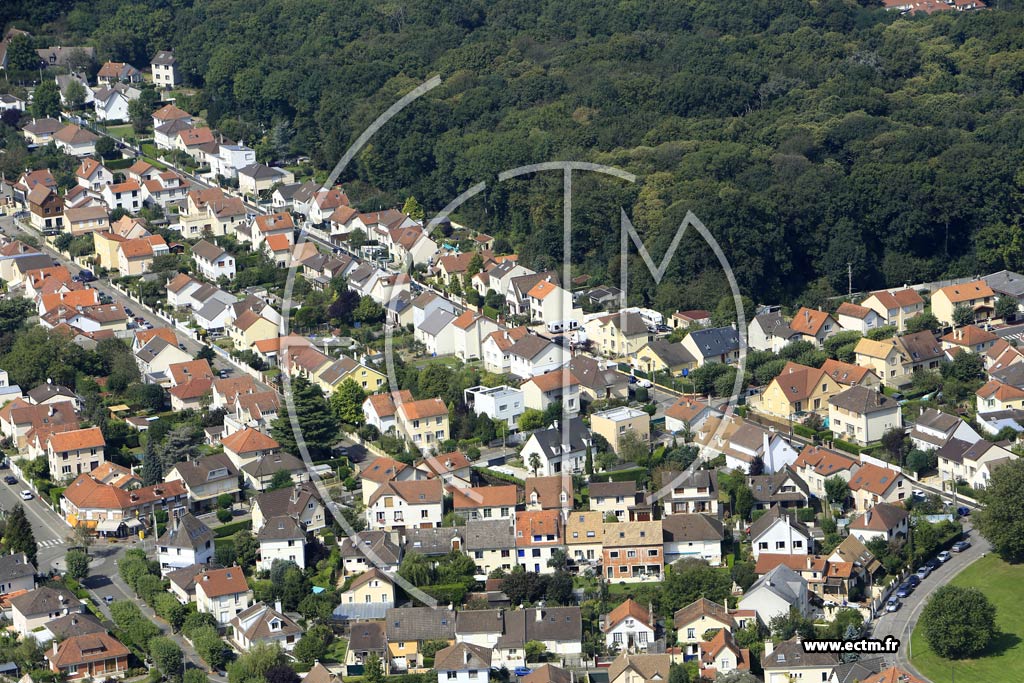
900,624
12,228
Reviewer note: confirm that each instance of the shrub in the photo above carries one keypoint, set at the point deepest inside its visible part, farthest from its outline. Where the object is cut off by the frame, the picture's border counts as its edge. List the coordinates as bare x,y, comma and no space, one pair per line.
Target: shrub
223,516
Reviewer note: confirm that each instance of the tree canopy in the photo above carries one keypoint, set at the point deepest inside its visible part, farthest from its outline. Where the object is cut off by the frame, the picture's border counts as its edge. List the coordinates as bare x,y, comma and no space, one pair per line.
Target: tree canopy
958,622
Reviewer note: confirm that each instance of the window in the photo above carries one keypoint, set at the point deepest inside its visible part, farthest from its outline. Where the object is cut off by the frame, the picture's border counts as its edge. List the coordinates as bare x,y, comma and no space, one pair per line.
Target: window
616,637
780,545
798,544
763,545
613,554
631,553
691,633
452,675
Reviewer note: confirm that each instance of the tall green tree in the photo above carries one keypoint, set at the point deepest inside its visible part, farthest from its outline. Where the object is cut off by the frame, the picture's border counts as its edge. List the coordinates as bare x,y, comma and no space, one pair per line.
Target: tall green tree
317,424
152,467
77,563
958,622
74,94
347,402
18,534
46,99
1001,519
413,210
20,55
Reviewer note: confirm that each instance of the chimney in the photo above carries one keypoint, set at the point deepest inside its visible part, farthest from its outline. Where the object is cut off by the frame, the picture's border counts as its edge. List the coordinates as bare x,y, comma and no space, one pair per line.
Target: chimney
769,647
277,606
51,411
54,646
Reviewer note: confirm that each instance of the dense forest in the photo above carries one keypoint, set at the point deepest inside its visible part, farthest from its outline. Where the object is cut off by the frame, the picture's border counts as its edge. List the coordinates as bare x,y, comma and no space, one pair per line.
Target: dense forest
805,135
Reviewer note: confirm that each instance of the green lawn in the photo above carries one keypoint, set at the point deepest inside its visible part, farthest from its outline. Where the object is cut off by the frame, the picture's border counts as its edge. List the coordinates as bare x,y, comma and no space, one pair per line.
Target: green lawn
1004,660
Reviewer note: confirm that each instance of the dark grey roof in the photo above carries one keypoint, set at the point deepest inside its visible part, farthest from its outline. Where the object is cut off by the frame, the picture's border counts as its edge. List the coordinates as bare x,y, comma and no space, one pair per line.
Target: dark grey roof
165,57
774,325
45,600
629,322
1012,375
716,341
862,400
377,542
490,534
480,621
768,488
589,373
790,654
551,624
432,542
420,623
529,347
692,527
74,624
291,500
216,467
550,440
152,349
367,636
436,321
208,251
768,518
672,353
268,465
937,420
173,127
613,489
281,528
1006,282
186,576
186,532
288,191
15,566
260,171
853,672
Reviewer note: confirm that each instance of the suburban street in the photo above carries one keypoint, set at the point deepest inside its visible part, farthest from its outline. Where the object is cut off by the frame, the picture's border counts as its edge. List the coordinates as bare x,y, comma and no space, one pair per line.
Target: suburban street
900,624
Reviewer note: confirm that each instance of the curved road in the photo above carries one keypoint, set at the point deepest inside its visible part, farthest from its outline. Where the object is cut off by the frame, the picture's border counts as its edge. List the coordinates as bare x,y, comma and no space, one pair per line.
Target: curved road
901,624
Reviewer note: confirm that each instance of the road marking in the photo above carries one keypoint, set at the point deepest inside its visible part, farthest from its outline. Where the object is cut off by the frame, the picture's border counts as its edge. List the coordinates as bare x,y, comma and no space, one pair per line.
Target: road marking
51,543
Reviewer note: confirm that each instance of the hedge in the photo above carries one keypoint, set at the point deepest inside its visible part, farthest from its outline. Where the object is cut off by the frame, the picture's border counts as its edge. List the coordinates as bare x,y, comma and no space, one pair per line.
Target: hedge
804,431
632,474
231,529
846,446
500,475
451,593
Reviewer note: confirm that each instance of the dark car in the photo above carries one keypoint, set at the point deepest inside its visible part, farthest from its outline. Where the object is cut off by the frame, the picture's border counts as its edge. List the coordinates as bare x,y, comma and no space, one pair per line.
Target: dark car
934,563
914,580
86,276
963,511
904,591
10,480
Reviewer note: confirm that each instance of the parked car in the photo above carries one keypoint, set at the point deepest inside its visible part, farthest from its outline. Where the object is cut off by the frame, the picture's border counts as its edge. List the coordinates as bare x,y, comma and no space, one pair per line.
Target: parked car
10,480
914,580
944,556
129,312
918,493
960,546
26,494
892,604
522,671
923,572
963,511
934,563
108,599
86,276
904,591
644,383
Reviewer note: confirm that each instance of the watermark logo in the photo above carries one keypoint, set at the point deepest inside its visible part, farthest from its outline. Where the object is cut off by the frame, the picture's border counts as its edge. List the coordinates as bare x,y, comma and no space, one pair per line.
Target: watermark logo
630,240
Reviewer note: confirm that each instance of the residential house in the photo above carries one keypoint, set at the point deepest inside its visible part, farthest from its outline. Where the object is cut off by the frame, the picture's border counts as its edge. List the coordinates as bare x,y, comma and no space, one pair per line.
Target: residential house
186,541
33,609
249,328
462,663
93,175
895,307
126,195
693,536
365,639
380,410
115,72
424,423
584,537
112,511
555,387
849,375
814,326
721,655
687,414
775,593
111,103
633,551
873,484
639,668
933,429
262,624
1007,283
397,505
996,396
69,453
770,332
135,257
850,316
972,463
281,538
45,208
970,338
741,442
41,131
691,492
247,446
713,345
975,295
469,331
816,465
205,479
492,544
80,221
256,178
619,499
779,532
788,661
75,140
93,656
502,403
369,596
558,449
17,574
661,355
883,521
485,502
496,346
615,423
437,334
367,549
212,261
224,593
164,68
628,628
798,390
300,501
534,355
409,627
598,380
784,488
863,415
538,534
694,620
616,335
212,212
